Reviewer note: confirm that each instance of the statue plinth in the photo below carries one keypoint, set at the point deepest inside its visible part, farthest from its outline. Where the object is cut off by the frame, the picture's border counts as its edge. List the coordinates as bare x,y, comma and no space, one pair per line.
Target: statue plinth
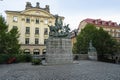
59,48
92,53
59,51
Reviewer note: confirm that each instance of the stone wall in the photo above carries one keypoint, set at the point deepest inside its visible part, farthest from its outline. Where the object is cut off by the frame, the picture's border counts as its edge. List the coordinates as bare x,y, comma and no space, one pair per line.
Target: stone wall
80,56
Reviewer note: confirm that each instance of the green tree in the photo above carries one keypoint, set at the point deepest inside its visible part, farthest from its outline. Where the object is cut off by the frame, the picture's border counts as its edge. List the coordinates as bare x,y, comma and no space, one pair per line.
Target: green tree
101,40
83,38
3,35
104,43
8,40
14,46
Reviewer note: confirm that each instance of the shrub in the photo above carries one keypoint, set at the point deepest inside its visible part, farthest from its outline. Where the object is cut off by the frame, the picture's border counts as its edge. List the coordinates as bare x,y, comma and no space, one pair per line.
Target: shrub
36,61
4,58
76,57
11,58
17,56
23,58
28,57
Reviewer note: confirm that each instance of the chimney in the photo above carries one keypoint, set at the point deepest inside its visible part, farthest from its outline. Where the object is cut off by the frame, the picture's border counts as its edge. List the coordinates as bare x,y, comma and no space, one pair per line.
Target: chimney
28,5
47,8
37,5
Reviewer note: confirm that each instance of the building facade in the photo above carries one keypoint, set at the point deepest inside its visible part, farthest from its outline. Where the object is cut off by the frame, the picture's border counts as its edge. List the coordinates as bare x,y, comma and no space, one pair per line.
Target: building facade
74,34
32,24
111,27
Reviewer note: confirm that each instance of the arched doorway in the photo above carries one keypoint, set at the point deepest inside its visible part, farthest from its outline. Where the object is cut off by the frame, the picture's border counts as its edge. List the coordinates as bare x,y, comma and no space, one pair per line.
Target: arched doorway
44,51
36,51
26,51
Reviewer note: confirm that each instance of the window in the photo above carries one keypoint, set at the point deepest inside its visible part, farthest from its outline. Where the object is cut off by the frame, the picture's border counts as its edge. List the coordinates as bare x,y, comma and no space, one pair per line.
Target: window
114,30
96,22
113,35
46,21
37,21
36,30
109,23
36,52
26,40
45,31
27,20
27,30
110,30
118,30
45,40
15,27
36,41
26,51
15,19
102,23
44,51
118,34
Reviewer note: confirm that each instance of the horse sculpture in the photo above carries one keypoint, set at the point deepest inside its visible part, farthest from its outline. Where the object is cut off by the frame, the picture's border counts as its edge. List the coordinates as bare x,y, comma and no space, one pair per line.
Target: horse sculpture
59,30
58,25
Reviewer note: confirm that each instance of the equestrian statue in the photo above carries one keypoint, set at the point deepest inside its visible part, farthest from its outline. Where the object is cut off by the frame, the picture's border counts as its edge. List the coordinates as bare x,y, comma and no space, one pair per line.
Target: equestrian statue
59,30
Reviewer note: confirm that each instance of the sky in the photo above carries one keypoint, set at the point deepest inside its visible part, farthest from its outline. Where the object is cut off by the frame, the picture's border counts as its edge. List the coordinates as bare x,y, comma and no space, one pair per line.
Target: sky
74,11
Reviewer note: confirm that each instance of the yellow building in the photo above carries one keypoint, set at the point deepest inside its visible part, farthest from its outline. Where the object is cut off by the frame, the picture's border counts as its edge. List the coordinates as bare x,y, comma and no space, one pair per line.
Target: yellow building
32,24
111,27
73,36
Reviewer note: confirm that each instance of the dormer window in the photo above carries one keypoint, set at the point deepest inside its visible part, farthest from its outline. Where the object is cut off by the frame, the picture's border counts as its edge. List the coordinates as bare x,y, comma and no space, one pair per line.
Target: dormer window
102,23
96,22
109,23
115,24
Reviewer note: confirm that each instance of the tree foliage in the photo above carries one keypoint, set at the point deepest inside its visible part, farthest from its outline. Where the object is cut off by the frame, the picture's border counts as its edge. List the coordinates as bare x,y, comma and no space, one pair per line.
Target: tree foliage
101,40
8,39
104,43
83,38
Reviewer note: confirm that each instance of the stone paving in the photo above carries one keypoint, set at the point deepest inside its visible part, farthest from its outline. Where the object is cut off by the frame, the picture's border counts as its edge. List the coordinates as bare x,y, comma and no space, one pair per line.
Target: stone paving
83,70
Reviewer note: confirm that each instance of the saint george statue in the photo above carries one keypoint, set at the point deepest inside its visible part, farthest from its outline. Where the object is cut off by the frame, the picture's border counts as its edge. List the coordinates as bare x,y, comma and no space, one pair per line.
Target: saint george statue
59,30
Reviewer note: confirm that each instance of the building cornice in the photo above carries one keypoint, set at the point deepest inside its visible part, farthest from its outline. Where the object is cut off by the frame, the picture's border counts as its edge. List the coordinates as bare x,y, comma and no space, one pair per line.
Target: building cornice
32,44
33,9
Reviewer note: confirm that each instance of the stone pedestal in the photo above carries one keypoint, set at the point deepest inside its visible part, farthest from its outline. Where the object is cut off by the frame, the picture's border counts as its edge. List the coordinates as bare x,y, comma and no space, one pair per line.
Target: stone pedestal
92,55
59,51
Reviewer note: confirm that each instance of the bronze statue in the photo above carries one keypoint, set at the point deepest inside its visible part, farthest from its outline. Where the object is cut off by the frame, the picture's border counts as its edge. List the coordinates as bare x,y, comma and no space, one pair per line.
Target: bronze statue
91,48
59,30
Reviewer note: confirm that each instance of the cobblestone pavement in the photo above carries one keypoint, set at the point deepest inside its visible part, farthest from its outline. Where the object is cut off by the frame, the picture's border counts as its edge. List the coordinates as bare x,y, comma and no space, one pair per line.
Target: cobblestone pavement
84,70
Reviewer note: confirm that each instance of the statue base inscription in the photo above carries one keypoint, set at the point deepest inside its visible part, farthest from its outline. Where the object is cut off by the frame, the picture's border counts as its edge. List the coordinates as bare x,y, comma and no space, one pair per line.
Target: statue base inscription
59,51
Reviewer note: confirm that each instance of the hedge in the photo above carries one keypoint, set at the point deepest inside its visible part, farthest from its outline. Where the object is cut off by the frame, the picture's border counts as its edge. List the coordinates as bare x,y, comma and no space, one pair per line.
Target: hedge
14,58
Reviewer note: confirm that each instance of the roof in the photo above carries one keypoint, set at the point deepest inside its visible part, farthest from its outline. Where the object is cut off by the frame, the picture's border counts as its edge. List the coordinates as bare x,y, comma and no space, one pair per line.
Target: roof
13,11
100,22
